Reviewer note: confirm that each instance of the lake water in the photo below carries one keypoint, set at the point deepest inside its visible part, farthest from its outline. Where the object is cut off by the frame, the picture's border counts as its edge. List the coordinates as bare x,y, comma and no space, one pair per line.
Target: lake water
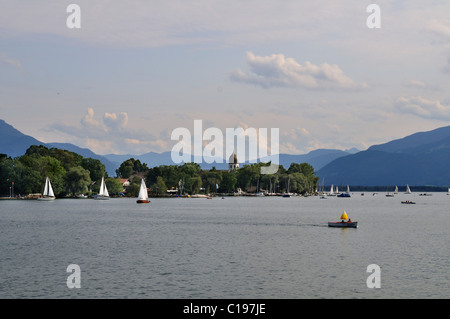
237,247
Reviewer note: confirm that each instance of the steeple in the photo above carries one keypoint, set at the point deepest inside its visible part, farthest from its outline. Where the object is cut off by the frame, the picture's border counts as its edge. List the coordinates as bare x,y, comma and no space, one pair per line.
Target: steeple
233,163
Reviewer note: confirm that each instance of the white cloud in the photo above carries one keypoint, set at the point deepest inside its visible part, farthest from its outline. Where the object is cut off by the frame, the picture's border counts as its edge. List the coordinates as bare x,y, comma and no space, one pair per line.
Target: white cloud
278,71
424,108
11,62
439,29
111,135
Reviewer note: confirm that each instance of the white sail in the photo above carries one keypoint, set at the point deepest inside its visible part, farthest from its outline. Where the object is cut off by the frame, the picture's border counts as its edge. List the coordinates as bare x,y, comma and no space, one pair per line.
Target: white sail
102,186
396,190
408,190
331,190
45,193
50,189
348,189
103,192
143,195
48,194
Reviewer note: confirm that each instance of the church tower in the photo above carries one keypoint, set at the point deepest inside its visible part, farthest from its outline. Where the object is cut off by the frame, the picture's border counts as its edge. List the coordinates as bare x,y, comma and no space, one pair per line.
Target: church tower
233,163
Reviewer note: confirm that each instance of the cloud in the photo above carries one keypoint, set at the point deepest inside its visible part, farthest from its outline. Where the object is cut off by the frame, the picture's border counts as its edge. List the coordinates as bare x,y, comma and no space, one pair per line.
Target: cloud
424,108
110,134
278,71
11,62
438,28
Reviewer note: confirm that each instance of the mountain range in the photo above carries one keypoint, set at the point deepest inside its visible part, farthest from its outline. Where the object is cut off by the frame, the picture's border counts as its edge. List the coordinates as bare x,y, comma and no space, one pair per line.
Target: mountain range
419,159
14,143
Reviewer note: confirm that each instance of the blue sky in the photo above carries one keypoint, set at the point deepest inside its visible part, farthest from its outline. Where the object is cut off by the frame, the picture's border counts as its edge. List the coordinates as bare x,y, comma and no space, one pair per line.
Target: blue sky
136,70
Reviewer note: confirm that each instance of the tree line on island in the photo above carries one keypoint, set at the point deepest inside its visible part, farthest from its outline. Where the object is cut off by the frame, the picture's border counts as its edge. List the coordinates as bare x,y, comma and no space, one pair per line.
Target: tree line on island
72,174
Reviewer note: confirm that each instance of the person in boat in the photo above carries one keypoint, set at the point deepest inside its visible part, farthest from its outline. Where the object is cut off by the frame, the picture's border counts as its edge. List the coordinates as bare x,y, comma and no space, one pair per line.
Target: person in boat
349,220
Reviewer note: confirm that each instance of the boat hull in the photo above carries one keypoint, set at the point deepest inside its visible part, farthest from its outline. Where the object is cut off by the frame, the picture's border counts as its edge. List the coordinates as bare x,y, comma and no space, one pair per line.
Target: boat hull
46,199
343,224
142,201
101,198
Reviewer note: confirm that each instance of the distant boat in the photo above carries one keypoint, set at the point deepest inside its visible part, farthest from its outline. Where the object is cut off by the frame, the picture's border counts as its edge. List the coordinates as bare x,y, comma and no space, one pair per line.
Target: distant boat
395,192
81,196
448,192
344,223
408,202
48,194
103,192
347,194
287,194
408,190
344,195
143,194
331,191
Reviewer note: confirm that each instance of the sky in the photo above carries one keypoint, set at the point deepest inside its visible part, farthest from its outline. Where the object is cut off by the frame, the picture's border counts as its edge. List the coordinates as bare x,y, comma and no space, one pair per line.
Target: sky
137,70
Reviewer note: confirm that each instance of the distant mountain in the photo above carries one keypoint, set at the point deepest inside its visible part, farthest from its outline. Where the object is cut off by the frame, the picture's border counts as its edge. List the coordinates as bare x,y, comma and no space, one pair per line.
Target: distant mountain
418,159
14,143
316,158
87,153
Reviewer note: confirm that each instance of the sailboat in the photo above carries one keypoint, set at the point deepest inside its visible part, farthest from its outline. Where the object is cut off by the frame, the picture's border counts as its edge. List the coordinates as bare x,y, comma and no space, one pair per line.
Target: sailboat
143,194
103,192
345,222
288,194
346,194
392,195
448,192
331,192
408,190
48,194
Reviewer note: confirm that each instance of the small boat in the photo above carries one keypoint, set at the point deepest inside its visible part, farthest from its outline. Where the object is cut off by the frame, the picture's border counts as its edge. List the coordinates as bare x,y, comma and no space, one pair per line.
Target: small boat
408,202
343,195
448,192
81,196
408,190
389,195
48,194
143,194
344,223
103,192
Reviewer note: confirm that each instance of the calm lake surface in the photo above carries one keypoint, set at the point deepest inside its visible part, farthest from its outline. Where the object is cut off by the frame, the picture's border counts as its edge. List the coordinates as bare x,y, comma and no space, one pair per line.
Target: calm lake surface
237,247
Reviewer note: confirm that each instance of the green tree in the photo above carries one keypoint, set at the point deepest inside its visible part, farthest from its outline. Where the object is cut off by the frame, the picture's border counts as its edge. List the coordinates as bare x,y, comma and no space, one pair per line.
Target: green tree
96,168
130,166
159,187
78,180
114,186
229,180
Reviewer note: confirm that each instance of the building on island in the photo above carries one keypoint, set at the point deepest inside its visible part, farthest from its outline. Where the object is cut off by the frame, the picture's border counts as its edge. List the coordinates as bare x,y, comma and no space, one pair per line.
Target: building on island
233,163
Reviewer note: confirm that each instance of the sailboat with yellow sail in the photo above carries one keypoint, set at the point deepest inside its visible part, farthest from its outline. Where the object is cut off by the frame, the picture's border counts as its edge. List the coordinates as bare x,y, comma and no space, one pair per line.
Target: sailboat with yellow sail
345,222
